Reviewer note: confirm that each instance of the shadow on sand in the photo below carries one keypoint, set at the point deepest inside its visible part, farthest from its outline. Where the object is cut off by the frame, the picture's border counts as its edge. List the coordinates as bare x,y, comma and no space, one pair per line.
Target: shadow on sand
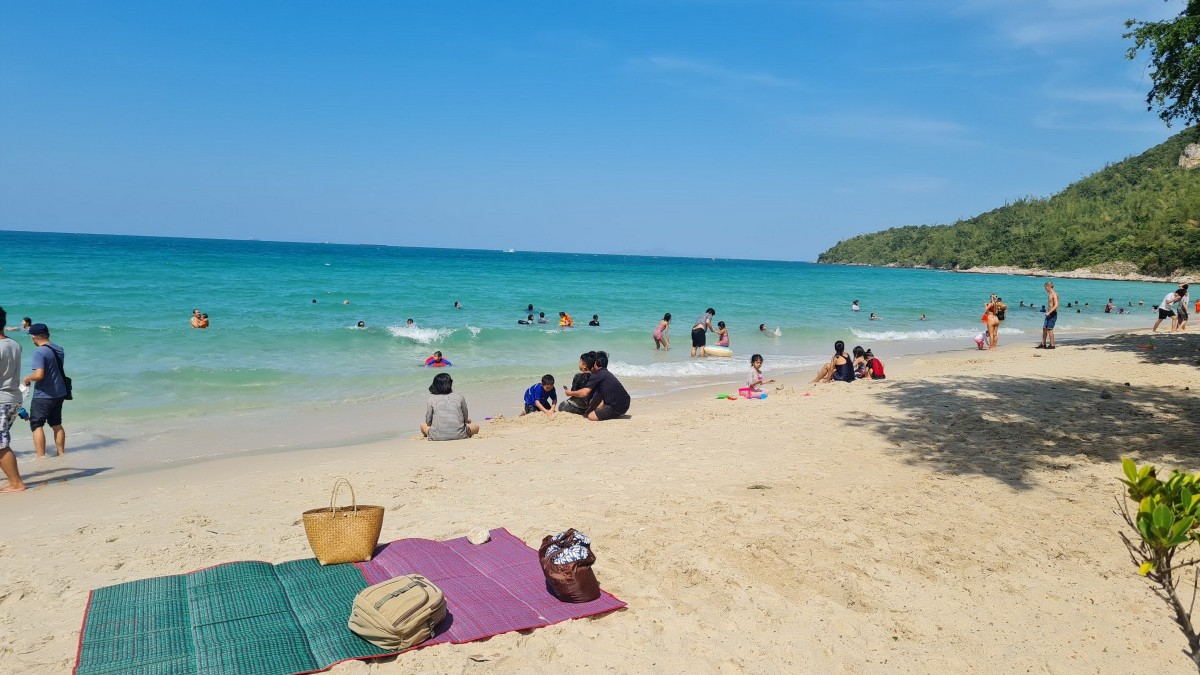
60,475
1007,427
1150,348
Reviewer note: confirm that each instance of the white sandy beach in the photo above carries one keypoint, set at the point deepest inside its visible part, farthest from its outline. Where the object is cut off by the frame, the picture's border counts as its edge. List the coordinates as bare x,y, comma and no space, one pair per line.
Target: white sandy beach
957,516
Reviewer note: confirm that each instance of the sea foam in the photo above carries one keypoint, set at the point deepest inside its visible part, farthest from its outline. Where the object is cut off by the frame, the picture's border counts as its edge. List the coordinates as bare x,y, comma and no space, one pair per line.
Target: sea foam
419,335
945,334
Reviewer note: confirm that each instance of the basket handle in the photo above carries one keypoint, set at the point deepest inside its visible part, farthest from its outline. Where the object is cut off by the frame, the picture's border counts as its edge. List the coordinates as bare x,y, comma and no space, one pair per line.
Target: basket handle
337,486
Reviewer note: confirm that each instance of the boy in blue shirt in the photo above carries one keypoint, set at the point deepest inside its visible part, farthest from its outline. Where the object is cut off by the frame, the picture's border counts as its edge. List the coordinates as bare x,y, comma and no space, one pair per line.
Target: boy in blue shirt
541,397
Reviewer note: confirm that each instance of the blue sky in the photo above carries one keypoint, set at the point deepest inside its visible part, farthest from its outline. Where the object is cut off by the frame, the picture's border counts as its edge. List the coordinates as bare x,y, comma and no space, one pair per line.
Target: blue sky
738,128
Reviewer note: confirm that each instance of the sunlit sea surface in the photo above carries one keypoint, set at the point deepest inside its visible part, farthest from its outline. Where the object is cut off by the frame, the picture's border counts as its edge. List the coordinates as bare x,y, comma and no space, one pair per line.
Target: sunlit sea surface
276,368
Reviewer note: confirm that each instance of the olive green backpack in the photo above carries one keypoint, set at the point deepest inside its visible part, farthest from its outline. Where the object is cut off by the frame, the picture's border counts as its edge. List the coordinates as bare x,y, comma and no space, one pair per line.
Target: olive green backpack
398,613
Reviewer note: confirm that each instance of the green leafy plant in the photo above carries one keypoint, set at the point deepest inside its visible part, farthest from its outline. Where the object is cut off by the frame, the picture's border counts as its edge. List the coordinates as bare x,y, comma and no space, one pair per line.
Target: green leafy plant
1174,48
1166,524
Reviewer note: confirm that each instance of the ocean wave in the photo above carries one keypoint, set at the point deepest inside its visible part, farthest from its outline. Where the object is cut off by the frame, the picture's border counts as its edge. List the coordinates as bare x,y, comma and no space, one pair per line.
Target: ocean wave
424,336
945,334
474,330
707,367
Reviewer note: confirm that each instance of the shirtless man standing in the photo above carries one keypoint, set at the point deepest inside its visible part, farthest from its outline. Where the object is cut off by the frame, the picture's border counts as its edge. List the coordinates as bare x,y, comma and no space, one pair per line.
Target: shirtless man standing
1051,317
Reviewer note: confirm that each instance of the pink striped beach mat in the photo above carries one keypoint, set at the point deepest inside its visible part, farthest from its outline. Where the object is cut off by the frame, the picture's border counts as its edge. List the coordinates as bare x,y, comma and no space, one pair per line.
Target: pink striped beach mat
491,588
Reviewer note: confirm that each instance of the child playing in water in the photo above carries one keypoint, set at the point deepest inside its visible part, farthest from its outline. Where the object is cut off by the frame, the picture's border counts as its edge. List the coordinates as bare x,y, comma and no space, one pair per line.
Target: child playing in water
660,333
722,334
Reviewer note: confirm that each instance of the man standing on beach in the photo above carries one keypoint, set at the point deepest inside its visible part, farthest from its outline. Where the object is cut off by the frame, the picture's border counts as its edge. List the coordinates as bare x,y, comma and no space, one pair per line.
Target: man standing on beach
1051,317
49,392
10,403
1165,311
608,396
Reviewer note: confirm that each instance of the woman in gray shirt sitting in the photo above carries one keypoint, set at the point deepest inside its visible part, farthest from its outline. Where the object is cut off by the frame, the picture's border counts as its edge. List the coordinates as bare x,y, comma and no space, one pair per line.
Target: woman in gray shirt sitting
446,417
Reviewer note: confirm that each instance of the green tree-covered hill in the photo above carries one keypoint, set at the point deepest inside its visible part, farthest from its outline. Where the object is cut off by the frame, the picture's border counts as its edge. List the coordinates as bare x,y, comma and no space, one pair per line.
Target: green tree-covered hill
1144,210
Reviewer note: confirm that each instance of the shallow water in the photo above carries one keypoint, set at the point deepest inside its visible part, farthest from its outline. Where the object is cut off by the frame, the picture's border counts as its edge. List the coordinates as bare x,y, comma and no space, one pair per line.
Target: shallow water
277,369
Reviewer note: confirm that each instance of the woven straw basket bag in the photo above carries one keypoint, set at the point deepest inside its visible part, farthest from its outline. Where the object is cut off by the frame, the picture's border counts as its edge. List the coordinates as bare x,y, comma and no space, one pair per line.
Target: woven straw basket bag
342,534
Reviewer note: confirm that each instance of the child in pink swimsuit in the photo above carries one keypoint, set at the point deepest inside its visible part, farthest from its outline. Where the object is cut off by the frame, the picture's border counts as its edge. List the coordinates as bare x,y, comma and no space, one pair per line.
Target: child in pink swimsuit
660,333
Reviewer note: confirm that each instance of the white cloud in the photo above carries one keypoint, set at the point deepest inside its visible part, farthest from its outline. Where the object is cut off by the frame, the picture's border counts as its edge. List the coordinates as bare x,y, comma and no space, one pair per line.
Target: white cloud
1053,120
718,73
1046,24
1106,97
913,185
888,128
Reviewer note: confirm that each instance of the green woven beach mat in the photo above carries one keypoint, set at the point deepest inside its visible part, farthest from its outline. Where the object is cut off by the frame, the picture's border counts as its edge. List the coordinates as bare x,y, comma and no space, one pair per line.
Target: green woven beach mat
251,618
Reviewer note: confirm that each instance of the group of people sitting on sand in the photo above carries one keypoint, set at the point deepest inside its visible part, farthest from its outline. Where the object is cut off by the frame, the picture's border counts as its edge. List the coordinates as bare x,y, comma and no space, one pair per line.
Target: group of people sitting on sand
860,364
595,393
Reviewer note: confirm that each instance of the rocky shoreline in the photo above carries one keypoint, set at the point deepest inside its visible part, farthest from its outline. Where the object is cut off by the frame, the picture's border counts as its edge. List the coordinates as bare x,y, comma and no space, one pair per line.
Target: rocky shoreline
1113,271
1108,272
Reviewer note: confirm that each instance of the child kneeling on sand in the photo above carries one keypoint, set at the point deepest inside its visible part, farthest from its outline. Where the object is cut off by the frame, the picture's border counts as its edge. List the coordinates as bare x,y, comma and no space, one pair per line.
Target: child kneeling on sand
874,367
982,339
446,416
541,397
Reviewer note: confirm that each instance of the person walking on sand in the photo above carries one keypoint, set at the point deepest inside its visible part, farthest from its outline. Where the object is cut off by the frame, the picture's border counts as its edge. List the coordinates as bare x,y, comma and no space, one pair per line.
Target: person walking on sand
700,329
49,391
661,340
1051,317
10,405
1181,314
1165,311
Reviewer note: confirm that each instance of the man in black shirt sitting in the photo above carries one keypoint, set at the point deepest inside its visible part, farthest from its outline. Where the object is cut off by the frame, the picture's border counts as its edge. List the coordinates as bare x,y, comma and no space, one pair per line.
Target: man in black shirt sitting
578,402
609,398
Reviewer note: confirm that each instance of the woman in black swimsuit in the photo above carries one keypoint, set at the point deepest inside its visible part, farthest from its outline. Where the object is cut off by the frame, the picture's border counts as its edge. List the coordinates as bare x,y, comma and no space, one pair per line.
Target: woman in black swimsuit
840,368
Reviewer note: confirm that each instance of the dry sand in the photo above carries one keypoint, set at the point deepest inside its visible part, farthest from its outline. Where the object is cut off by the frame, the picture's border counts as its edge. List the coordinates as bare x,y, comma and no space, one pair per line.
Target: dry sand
958,516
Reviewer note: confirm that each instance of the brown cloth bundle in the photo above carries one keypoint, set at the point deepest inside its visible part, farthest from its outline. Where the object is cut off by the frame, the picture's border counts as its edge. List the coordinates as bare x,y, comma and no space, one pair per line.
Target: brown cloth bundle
573,581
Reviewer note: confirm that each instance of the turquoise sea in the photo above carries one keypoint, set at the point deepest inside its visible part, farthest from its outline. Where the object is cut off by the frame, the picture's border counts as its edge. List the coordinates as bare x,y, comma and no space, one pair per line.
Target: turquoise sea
276,369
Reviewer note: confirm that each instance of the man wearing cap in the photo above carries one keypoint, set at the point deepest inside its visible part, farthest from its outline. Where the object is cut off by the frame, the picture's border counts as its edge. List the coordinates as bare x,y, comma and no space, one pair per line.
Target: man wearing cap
10,403
50,391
